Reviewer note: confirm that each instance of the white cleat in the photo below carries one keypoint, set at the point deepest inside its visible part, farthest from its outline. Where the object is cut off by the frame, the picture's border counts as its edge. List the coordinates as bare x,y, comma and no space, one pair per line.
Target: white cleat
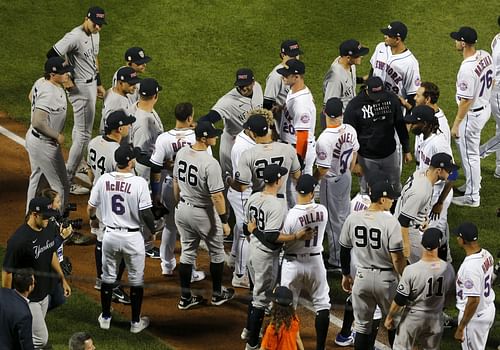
197,276
465,201
136,327
77,189
104,323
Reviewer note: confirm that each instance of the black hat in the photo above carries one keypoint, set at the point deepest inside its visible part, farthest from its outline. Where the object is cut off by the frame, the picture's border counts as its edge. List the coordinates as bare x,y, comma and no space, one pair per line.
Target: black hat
206,129
468,231
292,66
43,206
125,153
136,55
149,87
333,107
306,184
422,113
382,189
352,48
431,238
96,15
128,75
465,34
443,160
257,123
118,118
375,87
273,172
394,29
57,65
244,77
282,296
290,48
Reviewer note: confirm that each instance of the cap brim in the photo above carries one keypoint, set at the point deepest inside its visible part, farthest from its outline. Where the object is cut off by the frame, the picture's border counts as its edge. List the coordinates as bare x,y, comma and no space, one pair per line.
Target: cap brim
243,83
294,53
283,171
363,51
283,71
217,132
129,119
456,36
454,167
410,119
134,81
49,213
387,31
143,60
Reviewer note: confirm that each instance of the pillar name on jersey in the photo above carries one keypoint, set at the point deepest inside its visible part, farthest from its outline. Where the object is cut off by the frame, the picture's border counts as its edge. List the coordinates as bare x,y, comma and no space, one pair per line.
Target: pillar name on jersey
396,78
482,65
310,218
118,186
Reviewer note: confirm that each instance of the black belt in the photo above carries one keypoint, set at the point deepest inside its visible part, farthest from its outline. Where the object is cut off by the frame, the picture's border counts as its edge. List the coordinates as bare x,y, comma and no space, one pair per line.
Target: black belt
38,136
192,205
280,195
89,80
124,228
296,255
378,268
477,109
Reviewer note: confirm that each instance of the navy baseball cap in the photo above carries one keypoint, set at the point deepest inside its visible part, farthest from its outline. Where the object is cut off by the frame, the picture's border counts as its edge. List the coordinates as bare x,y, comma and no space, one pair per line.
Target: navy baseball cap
96,15
292,66
465,34
57,65
206,129
352,48
149,87
468,231
128,75
290,48
422,113
396,29
306,184
257,123
282,296
375,87
273,172
443,160
381,189
244,77
333,107
136,55
431,238
43,206
125,153
118,118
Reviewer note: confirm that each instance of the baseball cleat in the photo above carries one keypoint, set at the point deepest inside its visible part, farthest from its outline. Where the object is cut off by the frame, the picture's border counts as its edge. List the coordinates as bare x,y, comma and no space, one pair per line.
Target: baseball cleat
136,327
250,347
104,323
185,304
449,321
80,239
82,175
465,201
153,253
77,189
97,284
340,340
225,295
120,296
197,276
245,334
240,282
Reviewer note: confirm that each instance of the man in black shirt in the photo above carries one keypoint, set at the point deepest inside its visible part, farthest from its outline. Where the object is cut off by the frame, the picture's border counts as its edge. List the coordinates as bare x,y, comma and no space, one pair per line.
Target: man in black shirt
34,245
376,114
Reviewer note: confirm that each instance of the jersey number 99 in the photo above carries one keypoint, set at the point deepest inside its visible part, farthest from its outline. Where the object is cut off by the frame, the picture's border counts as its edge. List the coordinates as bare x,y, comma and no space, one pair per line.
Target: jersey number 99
365,237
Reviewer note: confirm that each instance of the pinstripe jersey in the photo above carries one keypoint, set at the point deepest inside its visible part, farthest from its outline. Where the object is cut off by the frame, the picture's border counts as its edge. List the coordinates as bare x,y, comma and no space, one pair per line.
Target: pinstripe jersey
415,200
50,98
334,149
101,156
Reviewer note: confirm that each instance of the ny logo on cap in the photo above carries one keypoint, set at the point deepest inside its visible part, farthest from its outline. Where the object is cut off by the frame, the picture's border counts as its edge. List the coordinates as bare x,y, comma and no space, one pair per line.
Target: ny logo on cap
294,47
99,15
141,54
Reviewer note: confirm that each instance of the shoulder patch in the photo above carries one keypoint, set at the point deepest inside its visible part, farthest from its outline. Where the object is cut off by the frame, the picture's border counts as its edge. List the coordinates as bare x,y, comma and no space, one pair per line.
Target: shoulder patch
401,287
468,284
237,175
462,85
322,155
417,82
305,118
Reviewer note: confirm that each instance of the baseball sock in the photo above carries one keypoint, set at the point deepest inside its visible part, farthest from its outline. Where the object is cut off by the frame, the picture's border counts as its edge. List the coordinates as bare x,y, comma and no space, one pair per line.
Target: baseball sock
373,335
391,334
106,296
363,342
216,270
249,312
98,258
321,324
136,294
121,269
185,276
348,318
256,319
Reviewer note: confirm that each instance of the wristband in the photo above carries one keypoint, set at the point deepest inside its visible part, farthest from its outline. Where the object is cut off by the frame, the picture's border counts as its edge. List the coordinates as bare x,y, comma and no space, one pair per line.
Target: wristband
98,79
224,217
93,217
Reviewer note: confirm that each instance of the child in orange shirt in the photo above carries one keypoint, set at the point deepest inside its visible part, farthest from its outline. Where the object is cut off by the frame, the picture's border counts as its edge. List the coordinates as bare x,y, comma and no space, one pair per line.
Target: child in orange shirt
282,333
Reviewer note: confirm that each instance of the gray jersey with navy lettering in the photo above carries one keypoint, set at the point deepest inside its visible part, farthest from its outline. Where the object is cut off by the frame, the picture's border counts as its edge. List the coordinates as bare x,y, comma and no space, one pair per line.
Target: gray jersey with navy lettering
50,98
199,175
373,236
426,283
113,102
234,108
415,200
339,82
276,90
81,50
145,130
253,161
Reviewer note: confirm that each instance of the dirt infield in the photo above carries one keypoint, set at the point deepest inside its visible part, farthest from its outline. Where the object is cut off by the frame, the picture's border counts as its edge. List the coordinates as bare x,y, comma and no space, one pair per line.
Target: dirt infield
201,328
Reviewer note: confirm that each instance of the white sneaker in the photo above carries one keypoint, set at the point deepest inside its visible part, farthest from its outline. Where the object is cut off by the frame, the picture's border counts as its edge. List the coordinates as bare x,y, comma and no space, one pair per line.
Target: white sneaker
245,334
240,282
197,276
81,175
136,327
462,188
97,284
104,323
77,189
465,201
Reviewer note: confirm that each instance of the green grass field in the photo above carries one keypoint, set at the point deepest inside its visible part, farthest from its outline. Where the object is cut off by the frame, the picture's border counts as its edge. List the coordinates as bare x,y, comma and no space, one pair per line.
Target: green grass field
198,45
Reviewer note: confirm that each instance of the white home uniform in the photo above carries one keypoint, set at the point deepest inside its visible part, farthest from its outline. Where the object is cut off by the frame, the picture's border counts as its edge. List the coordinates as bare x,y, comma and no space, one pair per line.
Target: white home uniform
334,151
444,128
234,108
474,82
474,278
338,82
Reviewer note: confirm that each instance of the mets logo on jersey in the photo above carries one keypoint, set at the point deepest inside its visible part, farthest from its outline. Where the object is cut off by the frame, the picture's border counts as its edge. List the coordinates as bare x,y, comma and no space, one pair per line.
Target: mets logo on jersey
322,155
305,118
462,85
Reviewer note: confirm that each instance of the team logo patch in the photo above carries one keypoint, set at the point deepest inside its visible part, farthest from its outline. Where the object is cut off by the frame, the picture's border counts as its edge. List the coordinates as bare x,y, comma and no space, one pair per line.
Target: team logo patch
401,287
237,175
305,118
462,86
468,284
322,155
417,82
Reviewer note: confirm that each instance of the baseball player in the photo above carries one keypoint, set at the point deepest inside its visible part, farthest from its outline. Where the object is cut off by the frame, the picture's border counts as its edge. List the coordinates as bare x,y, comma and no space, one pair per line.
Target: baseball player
420,297
376,241
474,83
117,96
336,153
166,147
413,208
137,60
81,48
234,108
124,202
101,160
201,213
475,294
45,135
493,144
340,80
276,90
264,217
302,267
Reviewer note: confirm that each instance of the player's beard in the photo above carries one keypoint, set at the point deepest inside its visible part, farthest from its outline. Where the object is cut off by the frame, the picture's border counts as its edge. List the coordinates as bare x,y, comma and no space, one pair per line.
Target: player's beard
417,131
